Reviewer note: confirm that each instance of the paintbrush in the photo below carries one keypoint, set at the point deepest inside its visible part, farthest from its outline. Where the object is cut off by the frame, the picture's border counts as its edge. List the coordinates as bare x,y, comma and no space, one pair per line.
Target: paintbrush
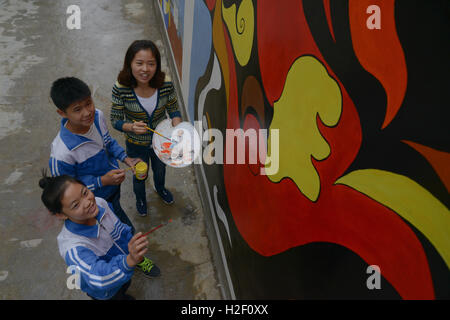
156,228
148,128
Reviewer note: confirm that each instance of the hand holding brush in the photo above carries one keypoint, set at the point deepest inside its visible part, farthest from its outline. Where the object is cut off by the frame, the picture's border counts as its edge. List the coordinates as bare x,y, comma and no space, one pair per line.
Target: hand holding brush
154,131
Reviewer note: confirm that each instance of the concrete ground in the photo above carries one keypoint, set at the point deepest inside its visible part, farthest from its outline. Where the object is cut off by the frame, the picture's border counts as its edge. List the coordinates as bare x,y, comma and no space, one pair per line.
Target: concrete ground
36,48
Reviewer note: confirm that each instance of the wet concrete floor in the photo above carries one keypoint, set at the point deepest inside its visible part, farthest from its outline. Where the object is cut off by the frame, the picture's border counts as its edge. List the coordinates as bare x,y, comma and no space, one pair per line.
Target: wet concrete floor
37,48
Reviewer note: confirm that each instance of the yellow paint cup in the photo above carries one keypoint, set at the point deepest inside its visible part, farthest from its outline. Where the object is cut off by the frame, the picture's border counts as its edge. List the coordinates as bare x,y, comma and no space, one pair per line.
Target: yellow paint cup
141,170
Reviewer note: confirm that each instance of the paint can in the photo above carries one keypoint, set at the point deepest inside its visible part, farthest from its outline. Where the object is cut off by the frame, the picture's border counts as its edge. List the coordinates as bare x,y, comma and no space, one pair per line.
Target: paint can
141,170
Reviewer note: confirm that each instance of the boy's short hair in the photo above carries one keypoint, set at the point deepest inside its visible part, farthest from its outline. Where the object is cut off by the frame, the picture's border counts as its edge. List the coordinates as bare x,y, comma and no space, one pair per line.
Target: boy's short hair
68,90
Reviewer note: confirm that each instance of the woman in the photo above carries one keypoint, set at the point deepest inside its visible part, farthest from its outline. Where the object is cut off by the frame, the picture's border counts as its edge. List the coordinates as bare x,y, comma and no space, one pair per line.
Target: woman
140,98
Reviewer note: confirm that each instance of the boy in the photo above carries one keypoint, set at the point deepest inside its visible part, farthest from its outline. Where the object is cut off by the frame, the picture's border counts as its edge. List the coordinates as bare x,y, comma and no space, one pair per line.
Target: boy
84,149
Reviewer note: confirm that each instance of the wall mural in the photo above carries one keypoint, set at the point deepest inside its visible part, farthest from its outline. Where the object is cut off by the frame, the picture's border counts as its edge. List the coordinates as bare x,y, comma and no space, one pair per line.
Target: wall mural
173,15
358,90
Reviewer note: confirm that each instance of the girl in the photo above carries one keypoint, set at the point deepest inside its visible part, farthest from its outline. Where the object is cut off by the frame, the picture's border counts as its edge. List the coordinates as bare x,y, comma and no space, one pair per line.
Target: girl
141,98
93,239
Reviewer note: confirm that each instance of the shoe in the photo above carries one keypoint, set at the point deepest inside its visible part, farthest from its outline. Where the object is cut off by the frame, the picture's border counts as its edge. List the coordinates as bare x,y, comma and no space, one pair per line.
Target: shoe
149,268
141,207
165,195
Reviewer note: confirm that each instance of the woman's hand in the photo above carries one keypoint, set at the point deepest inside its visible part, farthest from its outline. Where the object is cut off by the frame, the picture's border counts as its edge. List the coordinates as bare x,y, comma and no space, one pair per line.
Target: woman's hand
138,127
137,247
176,121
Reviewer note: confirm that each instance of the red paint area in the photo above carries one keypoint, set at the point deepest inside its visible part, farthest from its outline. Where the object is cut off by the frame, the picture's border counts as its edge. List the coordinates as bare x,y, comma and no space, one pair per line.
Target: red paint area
379,51
211,4
439,160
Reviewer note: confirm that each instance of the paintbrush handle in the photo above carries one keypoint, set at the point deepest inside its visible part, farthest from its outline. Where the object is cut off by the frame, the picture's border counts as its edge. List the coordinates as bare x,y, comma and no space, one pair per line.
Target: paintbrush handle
147,233
161,225
154,131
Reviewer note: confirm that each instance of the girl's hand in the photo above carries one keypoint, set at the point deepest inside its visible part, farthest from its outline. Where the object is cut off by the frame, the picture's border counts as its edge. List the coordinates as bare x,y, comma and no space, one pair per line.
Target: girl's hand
137,247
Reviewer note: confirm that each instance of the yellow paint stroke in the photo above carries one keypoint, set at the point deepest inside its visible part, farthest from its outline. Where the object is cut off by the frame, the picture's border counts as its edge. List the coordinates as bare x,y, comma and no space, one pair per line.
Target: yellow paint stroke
308,91
167,10
409,200
220,47
241,28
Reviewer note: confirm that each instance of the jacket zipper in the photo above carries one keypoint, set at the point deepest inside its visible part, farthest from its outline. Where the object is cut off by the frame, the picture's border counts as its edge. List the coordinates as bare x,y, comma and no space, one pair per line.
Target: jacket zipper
115,243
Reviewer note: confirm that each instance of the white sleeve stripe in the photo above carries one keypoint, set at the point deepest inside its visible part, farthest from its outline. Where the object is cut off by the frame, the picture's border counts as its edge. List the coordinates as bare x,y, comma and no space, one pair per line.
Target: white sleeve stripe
53,167
90,275
107,277
98,284
73,254
125,264
56,167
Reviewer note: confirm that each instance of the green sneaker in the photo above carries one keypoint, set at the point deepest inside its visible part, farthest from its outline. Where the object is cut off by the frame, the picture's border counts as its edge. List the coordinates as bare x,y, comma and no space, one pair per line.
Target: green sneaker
149,268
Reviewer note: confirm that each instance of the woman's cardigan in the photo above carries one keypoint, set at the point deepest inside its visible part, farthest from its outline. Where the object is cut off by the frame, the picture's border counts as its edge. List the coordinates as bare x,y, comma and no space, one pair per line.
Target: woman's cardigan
126,108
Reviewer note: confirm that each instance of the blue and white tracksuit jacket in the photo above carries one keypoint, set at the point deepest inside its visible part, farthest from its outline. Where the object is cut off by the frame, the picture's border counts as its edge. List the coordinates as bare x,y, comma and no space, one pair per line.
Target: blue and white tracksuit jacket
84,159
102,267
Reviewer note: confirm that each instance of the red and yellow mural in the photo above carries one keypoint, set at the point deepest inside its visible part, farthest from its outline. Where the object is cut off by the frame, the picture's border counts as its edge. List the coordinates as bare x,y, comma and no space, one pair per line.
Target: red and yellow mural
363,176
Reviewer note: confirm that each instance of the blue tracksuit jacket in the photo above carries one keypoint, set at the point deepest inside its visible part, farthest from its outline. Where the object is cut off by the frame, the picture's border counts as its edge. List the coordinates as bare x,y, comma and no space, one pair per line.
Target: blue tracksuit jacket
102,267
84,159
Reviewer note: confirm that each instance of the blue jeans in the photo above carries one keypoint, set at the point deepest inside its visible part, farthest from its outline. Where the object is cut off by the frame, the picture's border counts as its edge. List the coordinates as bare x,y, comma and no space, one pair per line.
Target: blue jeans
114,199
146,154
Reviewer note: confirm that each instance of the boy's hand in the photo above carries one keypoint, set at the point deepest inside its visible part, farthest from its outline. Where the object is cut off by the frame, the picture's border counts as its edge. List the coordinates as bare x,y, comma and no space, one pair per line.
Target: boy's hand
131,162
137,247
113,177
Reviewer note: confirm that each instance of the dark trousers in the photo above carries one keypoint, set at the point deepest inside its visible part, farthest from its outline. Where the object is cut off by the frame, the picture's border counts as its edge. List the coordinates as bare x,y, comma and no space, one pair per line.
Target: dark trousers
120,295
114,199
146,154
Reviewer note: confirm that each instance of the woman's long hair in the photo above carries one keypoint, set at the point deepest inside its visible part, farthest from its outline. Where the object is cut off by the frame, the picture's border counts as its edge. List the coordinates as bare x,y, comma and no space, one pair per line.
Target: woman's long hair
126,77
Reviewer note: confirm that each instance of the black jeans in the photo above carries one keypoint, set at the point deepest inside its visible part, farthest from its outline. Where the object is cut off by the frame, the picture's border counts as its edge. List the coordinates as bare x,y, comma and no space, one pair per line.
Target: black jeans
147,154
115,201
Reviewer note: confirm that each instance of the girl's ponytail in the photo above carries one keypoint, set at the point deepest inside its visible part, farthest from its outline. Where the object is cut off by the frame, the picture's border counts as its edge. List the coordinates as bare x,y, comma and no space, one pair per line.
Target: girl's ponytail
53,190
45,181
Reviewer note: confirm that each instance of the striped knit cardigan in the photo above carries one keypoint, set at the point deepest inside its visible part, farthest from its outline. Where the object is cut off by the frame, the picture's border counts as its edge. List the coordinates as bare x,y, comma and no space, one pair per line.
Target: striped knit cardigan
126,108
